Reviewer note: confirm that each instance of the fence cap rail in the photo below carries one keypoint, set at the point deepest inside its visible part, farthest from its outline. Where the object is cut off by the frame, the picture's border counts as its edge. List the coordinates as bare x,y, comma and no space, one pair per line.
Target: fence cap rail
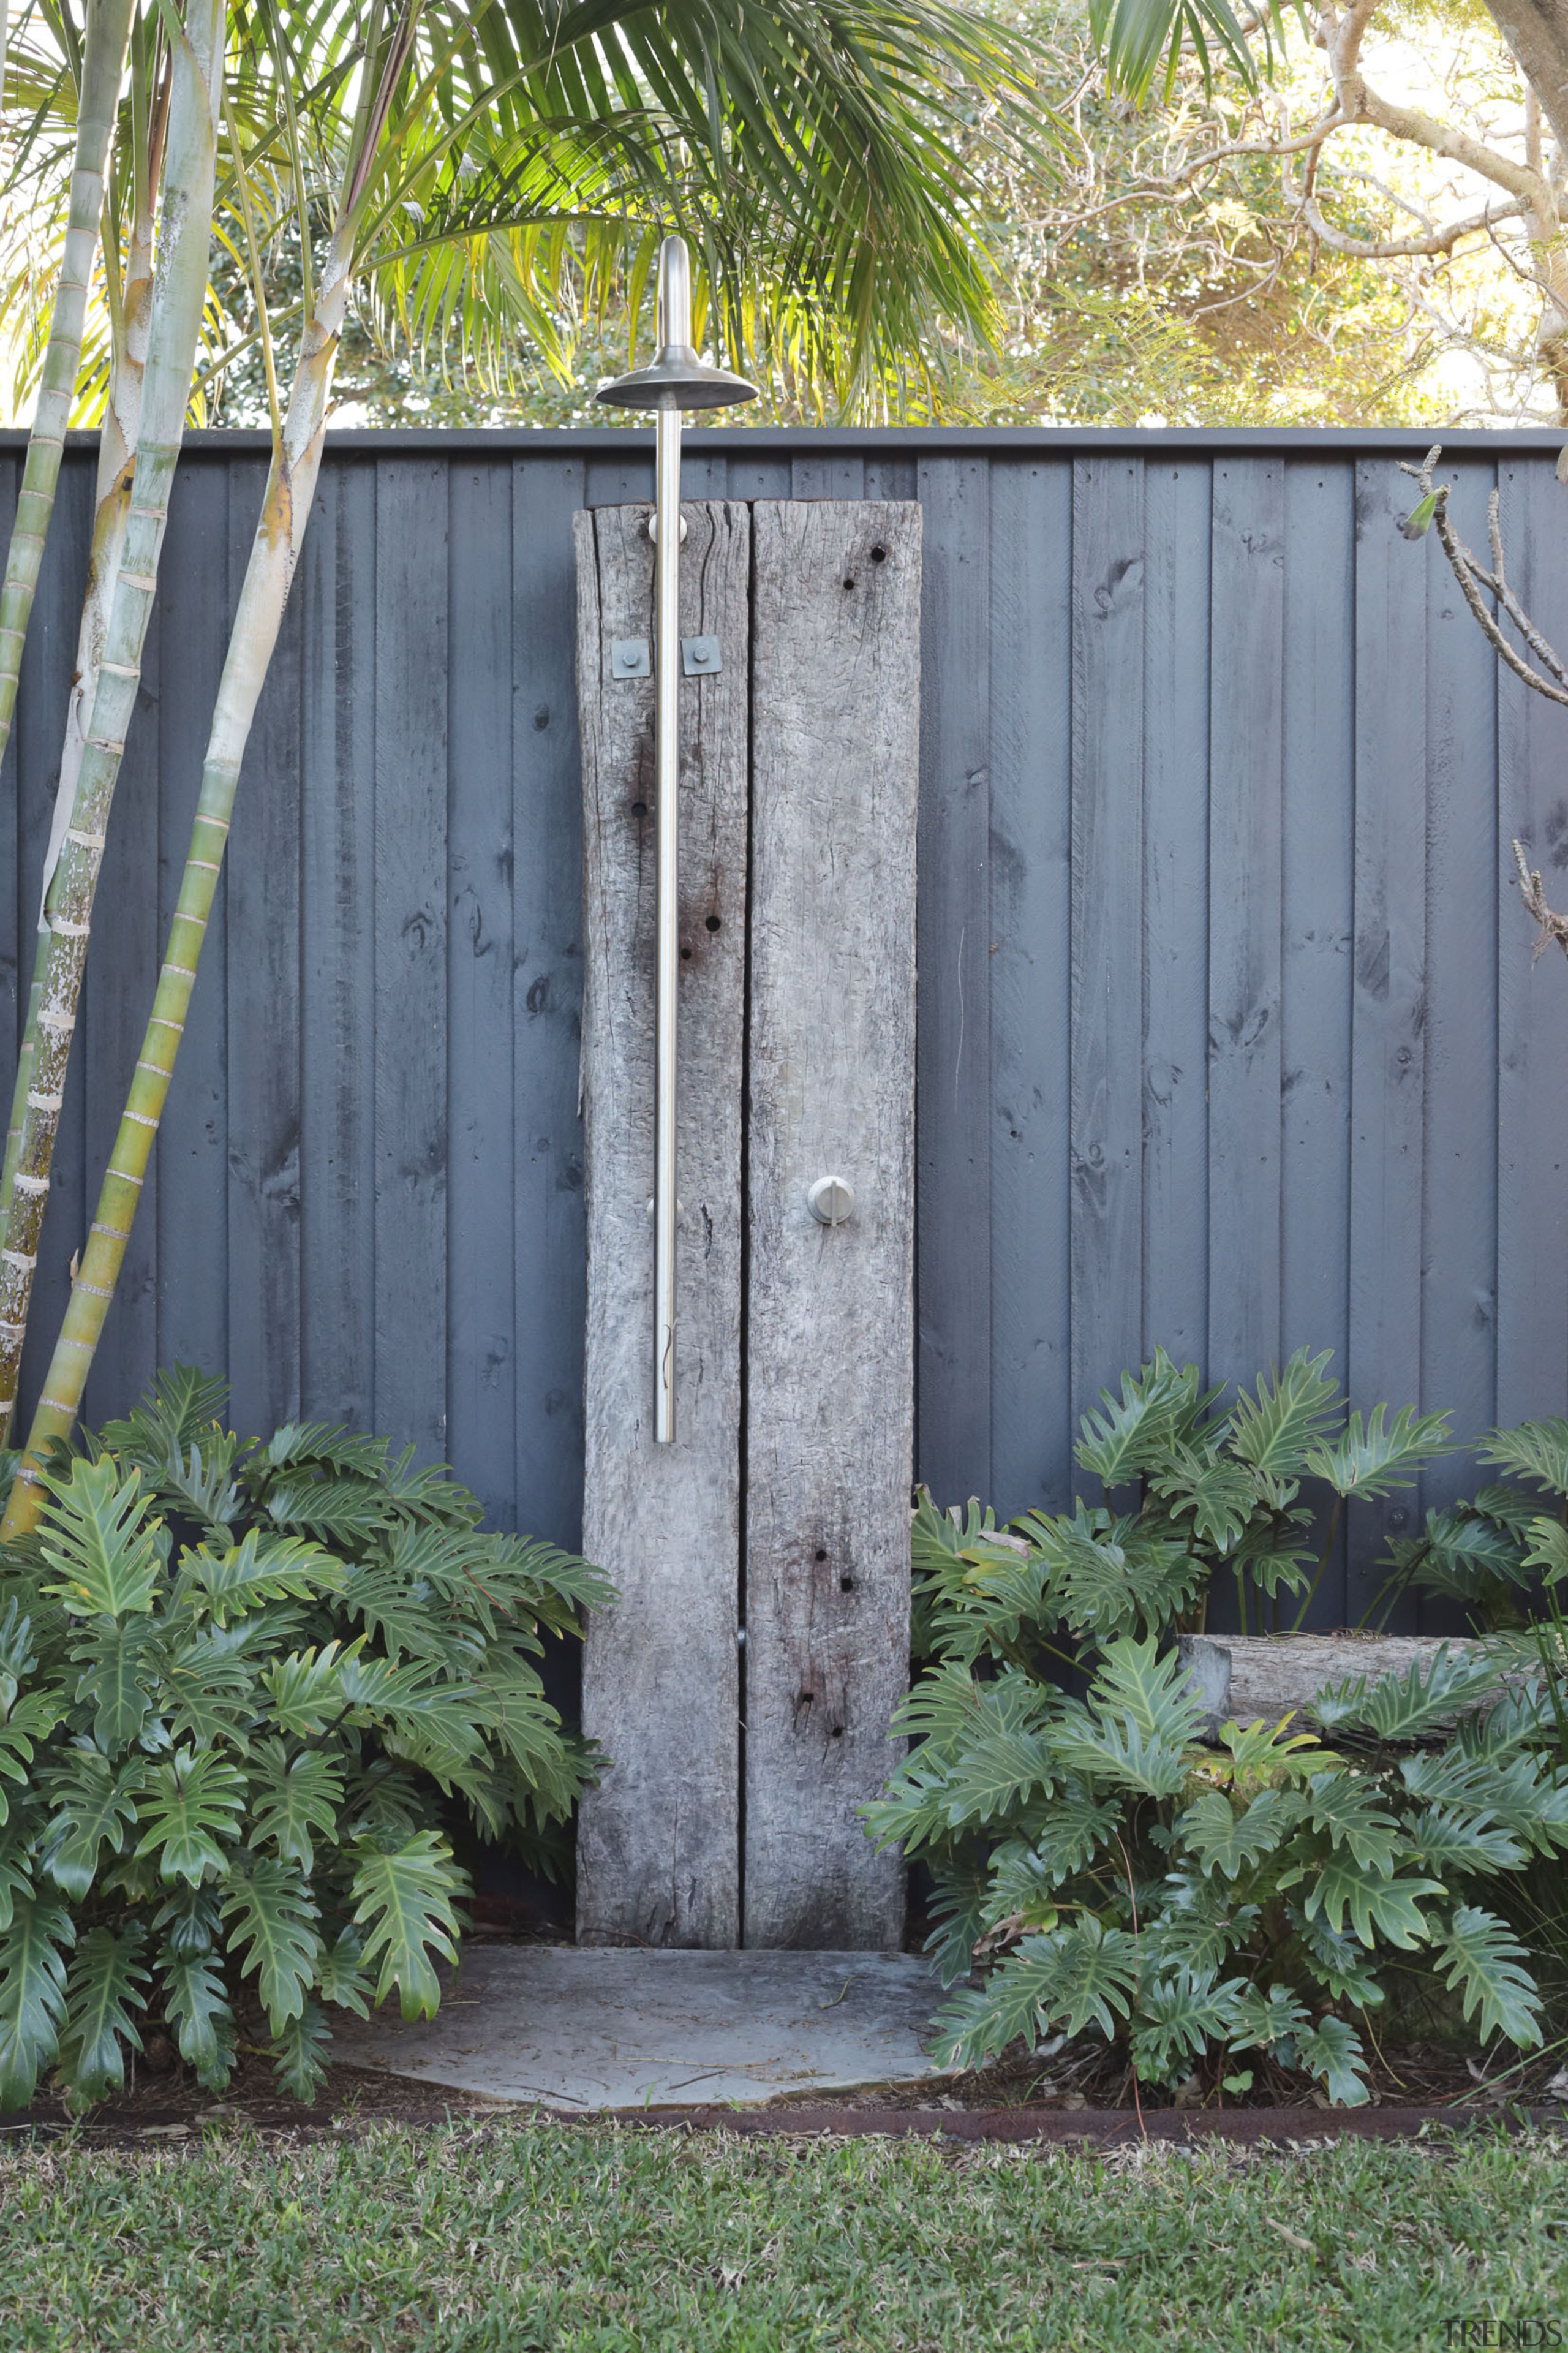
878,441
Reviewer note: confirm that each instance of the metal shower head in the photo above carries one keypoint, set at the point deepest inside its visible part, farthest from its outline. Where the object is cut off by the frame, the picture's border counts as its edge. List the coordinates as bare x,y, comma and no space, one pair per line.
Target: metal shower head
678,376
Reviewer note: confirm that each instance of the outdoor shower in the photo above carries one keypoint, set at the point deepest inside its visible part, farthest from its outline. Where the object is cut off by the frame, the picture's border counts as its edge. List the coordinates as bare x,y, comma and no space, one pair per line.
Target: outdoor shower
677,378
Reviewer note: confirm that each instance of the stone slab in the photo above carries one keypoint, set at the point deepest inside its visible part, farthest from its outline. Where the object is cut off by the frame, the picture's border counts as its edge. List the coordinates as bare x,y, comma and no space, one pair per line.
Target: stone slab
587,2027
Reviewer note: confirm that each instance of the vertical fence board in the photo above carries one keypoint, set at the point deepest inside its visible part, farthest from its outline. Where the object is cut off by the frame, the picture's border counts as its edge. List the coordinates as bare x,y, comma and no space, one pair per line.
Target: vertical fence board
262,866
193,1142
953,1040
830,1311
1030,918
547,985
1388,1052
1106,1021
659,1845
1319,868
1458,1257
481,955
412,714
1244,751
827,478
337,1143
1532,1021
1176,663
17,922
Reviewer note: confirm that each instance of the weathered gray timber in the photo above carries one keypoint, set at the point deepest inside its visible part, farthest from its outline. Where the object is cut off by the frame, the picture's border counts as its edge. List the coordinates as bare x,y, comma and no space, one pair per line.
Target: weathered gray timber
1104,699
829,1449
1263,1678
659,1845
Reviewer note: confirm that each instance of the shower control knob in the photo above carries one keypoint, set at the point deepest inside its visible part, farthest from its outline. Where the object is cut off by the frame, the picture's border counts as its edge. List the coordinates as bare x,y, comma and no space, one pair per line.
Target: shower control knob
831,1200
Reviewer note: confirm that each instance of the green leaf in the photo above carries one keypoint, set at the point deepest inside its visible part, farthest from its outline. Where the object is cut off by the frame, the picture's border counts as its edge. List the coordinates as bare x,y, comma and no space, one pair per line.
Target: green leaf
91,1805
1376,1907
1075,1825
16,1657
404,1902
1139,36
1289,1416
1332,2050
29,1719
1548,1550
117,1679
1272,1748
1349,1808
337,1511
1459,1550
1218,1497
1269,2022
32,1995
342,1978
1452,1845
1416,524
1372,1462
177,1412
15,1874
1135,1431
1408,1706
298,2054
291,1797
261,1568
1077,1976
306,1688
196,2004
1175,2019
1338,1961
1149,1689
94,1537
1536,1449
1475,1952
1226,1841
104,1986
190,1915
191,1799
276,1920
1109,1576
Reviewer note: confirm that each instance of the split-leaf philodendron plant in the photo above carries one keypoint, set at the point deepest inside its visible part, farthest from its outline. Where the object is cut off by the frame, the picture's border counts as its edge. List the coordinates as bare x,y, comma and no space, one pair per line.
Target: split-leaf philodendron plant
244,1689
1202,1902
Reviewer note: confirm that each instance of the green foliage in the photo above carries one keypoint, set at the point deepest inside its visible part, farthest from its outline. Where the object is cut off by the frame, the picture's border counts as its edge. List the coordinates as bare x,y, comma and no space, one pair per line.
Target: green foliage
1104,1871
1502,1554
241,1688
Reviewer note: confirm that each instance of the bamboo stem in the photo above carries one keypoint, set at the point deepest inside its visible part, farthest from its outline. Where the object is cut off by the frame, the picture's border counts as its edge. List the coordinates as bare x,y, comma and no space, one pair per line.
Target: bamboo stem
118,437
183,263
279,531
108,37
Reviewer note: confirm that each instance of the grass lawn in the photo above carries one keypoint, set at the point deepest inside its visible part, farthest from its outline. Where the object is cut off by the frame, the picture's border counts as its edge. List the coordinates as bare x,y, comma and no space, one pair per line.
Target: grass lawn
573,2238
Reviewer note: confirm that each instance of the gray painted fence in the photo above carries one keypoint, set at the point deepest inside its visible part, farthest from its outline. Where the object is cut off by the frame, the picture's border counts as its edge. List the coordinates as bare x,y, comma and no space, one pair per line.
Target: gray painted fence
1229,1034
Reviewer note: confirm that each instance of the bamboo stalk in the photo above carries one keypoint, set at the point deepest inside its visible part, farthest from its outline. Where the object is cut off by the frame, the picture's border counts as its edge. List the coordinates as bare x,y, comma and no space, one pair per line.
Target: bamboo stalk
274,552
196,66
104,66
118,437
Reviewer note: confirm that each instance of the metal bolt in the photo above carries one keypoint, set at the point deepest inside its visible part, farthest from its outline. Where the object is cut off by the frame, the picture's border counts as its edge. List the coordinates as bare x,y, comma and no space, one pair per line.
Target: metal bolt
653,529
679,1211
831,1200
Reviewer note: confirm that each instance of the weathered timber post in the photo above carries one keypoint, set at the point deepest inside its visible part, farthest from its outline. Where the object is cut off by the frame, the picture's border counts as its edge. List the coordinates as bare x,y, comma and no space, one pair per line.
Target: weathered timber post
657,1850
830,1323
781,1511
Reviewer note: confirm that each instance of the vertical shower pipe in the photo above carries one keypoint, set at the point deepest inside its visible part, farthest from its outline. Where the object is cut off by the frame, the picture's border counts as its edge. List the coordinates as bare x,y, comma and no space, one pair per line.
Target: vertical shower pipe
676,379
673,327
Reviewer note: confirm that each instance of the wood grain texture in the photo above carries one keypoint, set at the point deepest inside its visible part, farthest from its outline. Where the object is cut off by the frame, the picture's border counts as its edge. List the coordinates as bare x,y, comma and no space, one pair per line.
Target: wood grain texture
337,1132
830,1311
658,1841
1245,751
411,1147
1389,1036
1107,1034
1178,499
953,1130
1030,983
1318,858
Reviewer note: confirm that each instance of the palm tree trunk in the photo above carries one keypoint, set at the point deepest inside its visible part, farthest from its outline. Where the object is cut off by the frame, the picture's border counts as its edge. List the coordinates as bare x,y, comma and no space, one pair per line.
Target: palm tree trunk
117,438
187,234
274,552
102,68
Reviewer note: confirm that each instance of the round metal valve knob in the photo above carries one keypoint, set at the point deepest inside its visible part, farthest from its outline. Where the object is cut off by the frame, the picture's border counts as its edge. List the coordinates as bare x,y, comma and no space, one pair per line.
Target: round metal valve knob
831,1200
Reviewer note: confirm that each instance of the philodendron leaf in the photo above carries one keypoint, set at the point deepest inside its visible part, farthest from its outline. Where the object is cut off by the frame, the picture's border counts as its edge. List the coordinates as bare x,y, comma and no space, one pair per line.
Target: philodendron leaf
32,1995
1332,2050
104,1986
277,1922
194,1799
1370,1461
94,1537
1289,1416
292,1799
92,1804
298,2052
1337,1886
1479,1954
261,1568
1408,1706
1226,1841
1131,1436
404,1904
195,2004
31,1718
116,1679
341,1975
1076,1977
1535,1449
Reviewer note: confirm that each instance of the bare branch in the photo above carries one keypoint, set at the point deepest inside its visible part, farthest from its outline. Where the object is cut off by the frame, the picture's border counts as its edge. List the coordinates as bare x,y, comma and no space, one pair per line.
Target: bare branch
1554,926
1394,249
